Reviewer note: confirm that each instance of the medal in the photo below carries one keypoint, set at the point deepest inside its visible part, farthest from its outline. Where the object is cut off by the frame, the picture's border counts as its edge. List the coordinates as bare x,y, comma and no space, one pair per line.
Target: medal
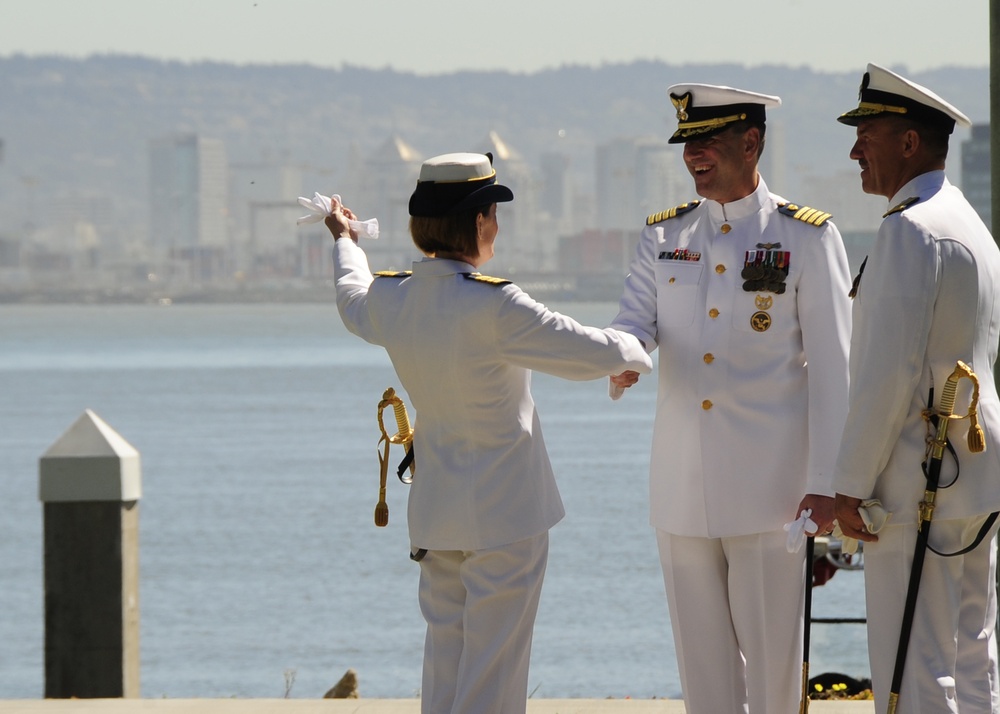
760,321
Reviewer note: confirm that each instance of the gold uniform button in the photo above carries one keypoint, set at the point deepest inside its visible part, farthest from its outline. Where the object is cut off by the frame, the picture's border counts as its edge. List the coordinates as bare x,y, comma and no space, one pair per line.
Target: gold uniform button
709,358
706,405
713,313
720,268
726,228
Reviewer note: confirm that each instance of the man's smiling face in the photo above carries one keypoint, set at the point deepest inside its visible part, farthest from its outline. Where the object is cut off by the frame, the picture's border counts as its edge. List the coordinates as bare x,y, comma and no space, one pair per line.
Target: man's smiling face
724,166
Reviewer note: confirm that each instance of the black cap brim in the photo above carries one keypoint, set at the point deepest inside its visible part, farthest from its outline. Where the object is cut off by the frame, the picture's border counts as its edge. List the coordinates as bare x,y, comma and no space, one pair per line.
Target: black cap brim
431,200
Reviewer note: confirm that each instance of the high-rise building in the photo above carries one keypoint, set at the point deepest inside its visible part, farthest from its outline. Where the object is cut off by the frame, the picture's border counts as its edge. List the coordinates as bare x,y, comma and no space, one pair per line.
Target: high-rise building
773,163
657,177
976,172
635,177
556,187
524,248
188,207
263,207
386,182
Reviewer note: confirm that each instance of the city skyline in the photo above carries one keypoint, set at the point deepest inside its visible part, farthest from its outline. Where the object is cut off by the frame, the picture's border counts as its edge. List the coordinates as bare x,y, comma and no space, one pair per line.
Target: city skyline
584,150
523,36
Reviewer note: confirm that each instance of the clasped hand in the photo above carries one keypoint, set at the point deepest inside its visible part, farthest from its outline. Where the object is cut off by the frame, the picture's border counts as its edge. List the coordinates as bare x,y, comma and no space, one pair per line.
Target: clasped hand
339,220
625,380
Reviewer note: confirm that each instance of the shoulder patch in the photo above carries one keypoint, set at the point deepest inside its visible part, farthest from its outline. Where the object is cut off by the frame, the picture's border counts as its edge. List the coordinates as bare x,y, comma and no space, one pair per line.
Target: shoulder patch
902,206
812,216
393,273
486,279
672,212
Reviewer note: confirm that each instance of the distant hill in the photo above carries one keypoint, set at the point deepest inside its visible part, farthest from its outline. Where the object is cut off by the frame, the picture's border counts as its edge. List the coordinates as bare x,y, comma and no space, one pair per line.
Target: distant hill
77,130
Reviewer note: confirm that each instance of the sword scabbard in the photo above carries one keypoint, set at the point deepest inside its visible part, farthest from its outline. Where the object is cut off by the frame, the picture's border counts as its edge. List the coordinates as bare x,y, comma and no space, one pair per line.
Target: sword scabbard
925,510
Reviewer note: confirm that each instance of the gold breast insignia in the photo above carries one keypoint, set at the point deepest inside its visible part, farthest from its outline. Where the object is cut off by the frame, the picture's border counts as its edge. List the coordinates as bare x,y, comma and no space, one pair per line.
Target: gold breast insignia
760,321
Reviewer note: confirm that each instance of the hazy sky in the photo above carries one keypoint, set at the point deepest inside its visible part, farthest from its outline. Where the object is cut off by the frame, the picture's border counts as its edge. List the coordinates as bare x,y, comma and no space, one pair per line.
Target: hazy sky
441,36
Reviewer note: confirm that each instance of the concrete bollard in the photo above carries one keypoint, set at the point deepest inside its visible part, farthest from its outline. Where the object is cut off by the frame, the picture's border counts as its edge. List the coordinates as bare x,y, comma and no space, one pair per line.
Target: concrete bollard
90,482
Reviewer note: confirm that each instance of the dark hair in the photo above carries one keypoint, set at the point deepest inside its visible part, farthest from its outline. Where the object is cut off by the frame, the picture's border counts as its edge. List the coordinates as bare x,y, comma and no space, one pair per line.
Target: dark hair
451,233
934,138
745,125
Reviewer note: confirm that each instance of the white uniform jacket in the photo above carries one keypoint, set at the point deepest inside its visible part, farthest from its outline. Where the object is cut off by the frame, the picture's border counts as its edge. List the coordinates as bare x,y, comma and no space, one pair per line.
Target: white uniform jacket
463,350
752,391
929,296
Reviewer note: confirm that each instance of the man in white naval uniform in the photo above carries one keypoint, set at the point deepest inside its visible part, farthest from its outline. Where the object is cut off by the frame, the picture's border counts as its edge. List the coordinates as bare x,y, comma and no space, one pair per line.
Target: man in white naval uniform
929,296
745,295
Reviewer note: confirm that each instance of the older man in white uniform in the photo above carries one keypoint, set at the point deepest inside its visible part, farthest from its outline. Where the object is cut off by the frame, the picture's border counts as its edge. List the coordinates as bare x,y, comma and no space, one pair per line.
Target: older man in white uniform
745,294
930,296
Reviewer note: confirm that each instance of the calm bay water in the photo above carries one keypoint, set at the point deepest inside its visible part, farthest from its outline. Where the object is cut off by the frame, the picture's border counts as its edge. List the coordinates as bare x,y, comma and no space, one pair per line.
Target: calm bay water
261,568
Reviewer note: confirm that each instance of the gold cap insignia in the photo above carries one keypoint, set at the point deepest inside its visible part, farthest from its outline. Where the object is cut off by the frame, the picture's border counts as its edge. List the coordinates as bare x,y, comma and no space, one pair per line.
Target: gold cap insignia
681,104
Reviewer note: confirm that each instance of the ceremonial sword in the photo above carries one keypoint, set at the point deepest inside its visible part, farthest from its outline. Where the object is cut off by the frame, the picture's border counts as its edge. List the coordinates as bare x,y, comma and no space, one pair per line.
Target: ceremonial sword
404,436
925,511
807,624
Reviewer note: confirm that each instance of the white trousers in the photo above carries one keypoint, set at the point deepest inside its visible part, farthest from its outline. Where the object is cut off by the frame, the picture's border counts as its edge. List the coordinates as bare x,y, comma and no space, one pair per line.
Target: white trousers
951,663
480,609
736,608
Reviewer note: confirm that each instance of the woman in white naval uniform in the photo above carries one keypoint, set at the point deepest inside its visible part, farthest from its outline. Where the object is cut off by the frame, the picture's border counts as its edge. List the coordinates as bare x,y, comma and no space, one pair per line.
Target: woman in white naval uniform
745,295
484,497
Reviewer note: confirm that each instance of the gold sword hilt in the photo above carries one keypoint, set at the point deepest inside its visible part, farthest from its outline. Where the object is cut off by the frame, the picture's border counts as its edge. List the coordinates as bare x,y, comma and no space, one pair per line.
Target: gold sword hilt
946,412
404,434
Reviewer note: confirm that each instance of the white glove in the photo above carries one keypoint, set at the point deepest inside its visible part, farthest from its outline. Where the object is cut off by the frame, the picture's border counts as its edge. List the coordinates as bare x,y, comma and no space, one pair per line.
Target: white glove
798,530
874,517
322,206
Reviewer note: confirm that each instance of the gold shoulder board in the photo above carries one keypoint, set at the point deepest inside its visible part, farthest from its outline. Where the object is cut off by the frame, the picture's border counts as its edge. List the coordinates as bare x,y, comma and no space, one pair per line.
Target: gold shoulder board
902,206
393,273
487,279
812,216
672,212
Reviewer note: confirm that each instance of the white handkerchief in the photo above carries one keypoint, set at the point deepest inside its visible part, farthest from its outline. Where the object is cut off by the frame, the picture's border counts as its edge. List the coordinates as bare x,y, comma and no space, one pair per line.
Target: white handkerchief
798,530
321,206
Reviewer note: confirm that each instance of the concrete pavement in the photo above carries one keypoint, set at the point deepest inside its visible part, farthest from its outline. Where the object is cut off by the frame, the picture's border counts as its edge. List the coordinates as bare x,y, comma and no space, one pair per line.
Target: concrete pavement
363,706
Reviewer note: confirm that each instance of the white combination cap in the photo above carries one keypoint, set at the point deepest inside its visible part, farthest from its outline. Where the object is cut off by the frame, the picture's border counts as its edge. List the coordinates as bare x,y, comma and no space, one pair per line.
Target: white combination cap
707,109
454,182
885,93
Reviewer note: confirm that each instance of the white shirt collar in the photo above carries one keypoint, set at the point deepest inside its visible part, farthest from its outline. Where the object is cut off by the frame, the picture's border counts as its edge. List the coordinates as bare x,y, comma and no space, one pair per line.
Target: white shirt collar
921,186
741,208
